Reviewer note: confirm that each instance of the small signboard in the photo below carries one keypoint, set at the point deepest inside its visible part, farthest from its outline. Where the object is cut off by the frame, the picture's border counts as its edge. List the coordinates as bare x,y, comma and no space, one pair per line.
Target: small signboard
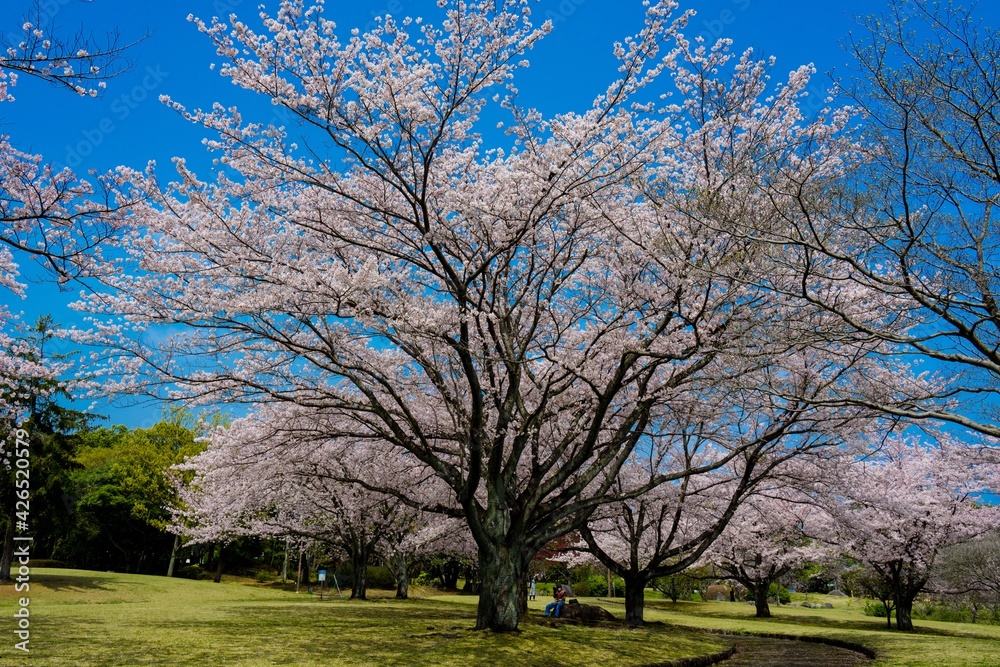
321,575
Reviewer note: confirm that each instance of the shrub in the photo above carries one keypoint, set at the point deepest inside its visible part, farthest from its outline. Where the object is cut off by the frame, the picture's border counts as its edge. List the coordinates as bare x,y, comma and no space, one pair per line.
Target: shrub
874,608
935,611
597,585
377,576
380,576
425,579
194,572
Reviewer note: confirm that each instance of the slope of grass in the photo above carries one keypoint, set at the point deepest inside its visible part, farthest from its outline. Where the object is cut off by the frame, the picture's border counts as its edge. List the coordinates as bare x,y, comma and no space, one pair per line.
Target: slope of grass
105,619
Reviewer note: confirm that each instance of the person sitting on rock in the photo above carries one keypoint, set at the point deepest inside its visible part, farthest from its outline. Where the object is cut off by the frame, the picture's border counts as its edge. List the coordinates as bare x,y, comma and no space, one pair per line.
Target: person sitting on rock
556,606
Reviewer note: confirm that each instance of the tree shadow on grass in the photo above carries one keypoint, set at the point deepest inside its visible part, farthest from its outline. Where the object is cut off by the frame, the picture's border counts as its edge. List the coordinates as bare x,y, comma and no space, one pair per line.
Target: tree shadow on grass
74,582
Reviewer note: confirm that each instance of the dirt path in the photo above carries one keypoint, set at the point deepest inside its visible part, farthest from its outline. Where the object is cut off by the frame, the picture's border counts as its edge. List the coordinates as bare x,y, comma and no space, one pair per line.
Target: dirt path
766,652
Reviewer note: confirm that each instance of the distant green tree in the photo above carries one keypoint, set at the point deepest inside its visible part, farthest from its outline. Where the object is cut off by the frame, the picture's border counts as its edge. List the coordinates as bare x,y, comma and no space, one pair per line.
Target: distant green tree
679,586
123,492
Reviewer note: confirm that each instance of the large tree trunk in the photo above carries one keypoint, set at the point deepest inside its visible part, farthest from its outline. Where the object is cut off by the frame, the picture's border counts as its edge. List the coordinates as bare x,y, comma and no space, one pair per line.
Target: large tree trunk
635,598
220,564
8,547
359,578
173,555
502,574
398,565
760,599
903,611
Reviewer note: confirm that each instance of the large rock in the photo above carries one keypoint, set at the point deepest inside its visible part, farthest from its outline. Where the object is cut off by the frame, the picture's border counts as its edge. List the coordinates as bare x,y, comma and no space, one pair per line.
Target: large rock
585,612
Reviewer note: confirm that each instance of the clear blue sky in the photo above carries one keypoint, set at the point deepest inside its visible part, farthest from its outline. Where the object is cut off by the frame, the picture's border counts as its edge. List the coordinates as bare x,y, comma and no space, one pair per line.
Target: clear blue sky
129,126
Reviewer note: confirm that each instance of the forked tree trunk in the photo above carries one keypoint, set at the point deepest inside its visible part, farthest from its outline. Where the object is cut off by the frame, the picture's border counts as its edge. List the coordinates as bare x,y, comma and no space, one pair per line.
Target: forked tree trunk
635,598
449,573
906,585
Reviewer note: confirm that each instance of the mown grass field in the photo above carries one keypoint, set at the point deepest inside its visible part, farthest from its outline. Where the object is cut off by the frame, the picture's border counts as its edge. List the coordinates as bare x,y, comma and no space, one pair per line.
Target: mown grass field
932,644
105,619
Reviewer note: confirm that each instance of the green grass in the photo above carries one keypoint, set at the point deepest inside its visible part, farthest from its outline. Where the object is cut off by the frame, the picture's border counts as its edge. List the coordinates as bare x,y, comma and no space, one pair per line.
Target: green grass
932,644
105,619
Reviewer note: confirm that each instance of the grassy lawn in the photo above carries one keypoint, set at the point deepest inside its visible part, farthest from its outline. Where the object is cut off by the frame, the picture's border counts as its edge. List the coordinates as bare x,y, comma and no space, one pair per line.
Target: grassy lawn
105,619
932,644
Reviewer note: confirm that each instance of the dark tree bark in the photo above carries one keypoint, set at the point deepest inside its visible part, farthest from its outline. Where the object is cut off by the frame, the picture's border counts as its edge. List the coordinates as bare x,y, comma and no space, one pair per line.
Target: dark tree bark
221,563
173,555
399,567
906,582
635,597
449,572
760,589
359,576
503,572
471,580
8,547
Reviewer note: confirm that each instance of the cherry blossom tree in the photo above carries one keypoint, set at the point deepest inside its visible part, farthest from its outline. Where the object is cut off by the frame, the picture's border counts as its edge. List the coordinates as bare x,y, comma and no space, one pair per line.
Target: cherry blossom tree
673,526
915,221
659,533
516,314
430,535
48,214
770,536
250,482
902,505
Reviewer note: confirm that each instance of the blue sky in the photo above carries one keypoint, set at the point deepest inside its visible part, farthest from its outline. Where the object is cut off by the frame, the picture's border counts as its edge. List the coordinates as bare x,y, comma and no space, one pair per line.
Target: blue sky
129,126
